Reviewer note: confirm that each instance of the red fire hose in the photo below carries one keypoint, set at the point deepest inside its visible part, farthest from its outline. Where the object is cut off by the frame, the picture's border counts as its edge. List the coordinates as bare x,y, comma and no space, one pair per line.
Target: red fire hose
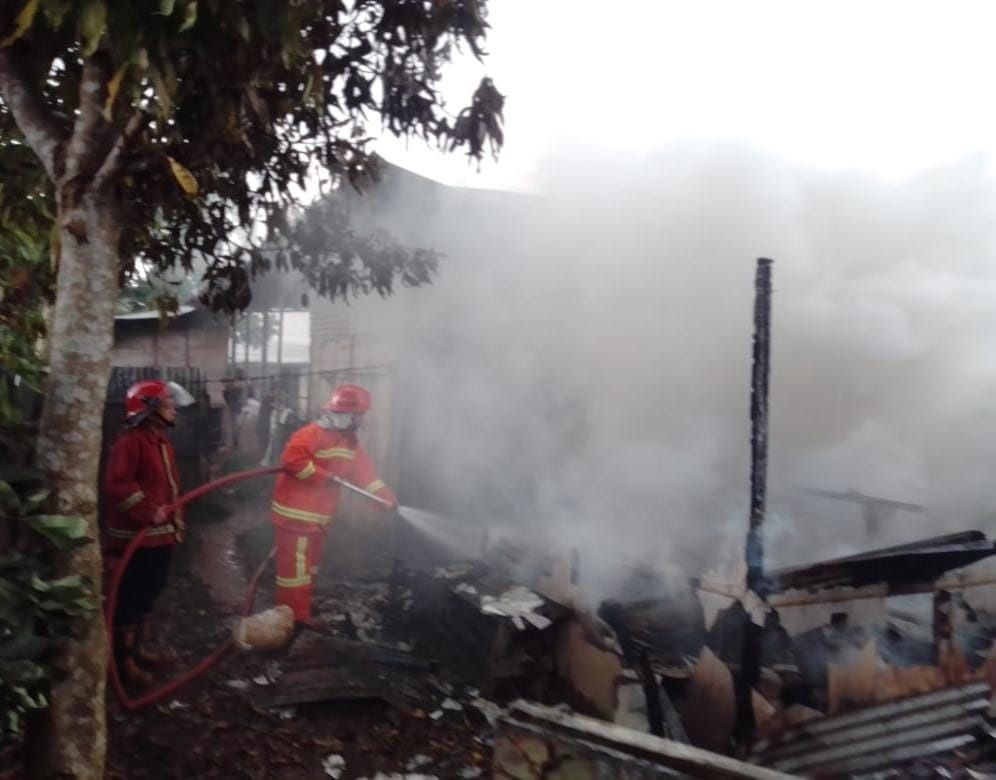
112,600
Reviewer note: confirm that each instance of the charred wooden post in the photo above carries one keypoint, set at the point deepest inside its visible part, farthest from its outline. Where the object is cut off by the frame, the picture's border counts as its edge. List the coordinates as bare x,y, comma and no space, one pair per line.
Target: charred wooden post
651,691
750,665
943,628
760,372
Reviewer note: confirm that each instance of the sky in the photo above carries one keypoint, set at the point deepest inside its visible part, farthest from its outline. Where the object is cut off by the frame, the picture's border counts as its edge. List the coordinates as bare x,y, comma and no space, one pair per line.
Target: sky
889,88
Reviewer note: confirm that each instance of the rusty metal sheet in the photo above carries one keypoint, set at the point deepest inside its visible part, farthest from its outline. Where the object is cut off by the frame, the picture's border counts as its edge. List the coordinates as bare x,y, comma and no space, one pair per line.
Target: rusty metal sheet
882,737
855,721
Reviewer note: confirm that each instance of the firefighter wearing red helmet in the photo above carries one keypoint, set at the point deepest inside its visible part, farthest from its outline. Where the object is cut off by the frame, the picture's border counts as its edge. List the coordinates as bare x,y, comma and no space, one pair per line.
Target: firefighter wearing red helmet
305,497
140,479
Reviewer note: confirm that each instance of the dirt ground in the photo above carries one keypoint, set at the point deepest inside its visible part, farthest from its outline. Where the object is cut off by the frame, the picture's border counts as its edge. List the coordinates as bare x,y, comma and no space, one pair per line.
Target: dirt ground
212,728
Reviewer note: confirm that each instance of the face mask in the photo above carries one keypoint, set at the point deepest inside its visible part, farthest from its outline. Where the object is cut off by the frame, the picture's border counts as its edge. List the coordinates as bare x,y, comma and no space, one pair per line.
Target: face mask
338,421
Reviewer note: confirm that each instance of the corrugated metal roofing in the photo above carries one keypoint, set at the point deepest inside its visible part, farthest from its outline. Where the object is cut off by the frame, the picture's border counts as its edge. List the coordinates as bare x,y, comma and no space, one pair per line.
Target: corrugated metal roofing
150,314
884,737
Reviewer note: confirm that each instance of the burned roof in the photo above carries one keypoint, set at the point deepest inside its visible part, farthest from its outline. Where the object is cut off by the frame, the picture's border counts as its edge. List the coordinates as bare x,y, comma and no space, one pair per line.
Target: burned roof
903,567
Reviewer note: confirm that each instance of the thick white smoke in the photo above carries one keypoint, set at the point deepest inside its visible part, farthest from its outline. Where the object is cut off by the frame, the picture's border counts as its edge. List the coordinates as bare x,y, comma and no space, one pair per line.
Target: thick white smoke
581,366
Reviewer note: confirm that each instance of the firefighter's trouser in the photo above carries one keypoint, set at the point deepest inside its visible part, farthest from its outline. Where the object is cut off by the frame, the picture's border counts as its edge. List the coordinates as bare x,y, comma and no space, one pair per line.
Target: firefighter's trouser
298,556
143,581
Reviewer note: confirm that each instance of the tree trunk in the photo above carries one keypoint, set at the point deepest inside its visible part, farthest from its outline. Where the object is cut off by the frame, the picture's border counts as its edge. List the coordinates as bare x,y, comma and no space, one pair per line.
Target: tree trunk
68,451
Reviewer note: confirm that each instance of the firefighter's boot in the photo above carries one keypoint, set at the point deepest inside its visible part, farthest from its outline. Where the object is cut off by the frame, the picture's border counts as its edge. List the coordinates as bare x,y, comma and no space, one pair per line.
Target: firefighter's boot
148,651
125,644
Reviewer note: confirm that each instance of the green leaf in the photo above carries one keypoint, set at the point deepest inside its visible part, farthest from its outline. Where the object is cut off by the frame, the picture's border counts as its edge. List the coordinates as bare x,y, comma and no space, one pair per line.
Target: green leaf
189,16
24,645
20,672
166,7
22,23
33,702
93,22
63,531
10,504
37,498
72,607
47,586
56,10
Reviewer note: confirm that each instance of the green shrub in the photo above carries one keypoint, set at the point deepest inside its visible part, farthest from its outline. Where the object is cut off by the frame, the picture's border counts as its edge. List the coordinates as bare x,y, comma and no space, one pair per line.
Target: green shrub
38,610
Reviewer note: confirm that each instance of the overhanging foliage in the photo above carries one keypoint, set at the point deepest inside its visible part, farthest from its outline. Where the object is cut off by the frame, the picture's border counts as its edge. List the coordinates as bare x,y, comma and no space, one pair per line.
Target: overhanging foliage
204,119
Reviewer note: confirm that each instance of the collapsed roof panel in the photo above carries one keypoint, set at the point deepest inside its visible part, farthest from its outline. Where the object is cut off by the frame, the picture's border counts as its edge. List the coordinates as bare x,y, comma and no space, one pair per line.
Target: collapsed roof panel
904,568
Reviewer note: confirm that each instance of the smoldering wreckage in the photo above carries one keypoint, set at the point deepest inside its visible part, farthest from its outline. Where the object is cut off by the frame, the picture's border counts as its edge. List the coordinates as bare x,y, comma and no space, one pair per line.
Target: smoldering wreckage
818,670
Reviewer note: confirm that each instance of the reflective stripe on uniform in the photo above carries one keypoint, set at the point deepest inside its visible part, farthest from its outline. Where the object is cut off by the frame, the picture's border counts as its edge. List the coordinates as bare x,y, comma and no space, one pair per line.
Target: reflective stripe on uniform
174,488
307,471
336,452
129,502
299,514
374,486
156,530
301,575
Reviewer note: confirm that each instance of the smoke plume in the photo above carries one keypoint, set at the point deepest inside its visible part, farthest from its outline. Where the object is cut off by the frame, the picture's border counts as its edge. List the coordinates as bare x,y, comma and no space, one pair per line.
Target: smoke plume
581,367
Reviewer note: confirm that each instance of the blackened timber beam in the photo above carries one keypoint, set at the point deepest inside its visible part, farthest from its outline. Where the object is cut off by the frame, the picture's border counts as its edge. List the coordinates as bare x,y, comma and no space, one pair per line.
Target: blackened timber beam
750,660
760,372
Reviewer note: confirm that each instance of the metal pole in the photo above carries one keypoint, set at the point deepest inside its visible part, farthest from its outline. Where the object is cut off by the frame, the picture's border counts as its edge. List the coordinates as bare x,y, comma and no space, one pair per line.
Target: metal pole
264,355
246,322
280,338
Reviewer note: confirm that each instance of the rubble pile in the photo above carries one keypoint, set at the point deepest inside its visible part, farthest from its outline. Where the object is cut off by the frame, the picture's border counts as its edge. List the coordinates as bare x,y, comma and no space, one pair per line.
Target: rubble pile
481,628
873,665
868,665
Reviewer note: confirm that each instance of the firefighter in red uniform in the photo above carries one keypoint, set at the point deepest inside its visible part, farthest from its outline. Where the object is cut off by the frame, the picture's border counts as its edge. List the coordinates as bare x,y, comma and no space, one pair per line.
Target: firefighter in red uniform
139,481
305,498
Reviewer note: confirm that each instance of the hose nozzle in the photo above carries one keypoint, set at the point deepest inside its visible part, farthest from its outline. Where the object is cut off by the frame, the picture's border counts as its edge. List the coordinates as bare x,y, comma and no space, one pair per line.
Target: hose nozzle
350,486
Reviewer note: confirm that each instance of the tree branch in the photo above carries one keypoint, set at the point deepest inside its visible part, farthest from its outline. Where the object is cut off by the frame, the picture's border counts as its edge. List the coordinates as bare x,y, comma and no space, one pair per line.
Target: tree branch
112,162
90,123
40,129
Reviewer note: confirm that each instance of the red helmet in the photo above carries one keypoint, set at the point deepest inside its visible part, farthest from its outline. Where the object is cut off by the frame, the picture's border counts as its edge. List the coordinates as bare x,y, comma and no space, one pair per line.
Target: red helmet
143,397
348,399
